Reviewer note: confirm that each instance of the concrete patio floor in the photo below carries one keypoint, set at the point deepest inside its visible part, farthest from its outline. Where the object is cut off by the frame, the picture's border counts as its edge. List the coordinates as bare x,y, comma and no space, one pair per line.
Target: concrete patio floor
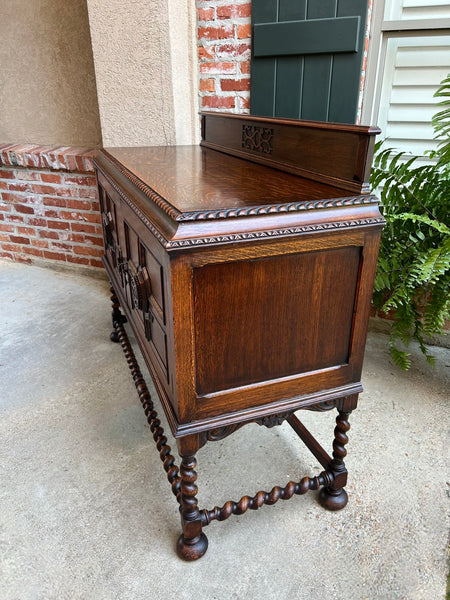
86,511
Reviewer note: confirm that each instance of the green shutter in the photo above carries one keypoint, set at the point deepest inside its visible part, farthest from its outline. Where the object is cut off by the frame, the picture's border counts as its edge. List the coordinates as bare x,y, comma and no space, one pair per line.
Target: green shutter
306,58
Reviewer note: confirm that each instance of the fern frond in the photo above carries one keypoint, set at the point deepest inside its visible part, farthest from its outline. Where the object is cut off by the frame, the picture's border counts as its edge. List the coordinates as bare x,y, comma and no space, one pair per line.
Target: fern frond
441,124
441,227
433,264
400,357
437,309
413,271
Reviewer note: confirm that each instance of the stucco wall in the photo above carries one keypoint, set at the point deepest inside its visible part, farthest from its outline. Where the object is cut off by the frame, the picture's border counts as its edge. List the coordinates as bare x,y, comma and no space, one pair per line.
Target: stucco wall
146,71
47,83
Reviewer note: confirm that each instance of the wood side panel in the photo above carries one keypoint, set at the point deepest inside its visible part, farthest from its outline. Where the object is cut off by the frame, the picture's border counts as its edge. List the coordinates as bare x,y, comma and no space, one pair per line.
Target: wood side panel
271,318
362,304
183,331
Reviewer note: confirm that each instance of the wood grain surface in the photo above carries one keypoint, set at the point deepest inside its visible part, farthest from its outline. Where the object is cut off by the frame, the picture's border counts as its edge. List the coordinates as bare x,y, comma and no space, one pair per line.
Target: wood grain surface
269,318
191,178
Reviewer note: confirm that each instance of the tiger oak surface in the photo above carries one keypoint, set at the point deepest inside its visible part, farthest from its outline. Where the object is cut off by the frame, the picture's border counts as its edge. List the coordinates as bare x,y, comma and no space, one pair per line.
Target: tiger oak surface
191,179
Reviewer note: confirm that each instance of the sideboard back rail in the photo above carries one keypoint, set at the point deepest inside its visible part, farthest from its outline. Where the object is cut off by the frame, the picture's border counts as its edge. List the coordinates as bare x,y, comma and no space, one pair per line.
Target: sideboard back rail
331,153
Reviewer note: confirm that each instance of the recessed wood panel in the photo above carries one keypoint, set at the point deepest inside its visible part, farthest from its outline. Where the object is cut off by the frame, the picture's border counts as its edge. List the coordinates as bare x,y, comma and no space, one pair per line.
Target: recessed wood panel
141,256
269,318
159,339
156,274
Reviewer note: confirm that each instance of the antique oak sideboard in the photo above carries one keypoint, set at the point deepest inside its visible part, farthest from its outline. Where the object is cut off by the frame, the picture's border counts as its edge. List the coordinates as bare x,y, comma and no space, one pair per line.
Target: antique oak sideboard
244,267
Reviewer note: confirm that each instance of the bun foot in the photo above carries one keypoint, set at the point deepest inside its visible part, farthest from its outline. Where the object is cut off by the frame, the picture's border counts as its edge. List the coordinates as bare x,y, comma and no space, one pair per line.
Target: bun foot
192,551
114,337
333,499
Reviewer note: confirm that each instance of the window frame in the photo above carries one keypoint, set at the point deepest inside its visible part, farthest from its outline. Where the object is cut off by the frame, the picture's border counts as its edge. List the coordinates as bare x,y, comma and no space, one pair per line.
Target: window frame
381,31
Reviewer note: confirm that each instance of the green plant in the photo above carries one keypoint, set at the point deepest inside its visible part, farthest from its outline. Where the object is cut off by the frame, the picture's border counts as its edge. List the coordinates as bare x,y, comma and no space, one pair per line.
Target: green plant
441,124
413,272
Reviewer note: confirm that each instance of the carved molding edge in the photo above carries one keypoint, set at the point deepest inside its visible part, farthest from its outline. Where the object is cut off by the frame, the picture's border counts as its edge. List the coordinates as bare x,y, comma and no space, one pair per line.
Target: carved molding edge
250,211
136,210
237,237
176,215
151,194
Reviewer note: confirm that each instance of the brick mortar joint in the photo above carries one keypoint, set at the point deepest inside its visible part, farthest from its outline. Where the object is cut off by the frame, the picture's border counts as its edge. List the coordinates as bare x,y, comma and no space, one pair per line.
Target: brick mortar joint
218,22
64,173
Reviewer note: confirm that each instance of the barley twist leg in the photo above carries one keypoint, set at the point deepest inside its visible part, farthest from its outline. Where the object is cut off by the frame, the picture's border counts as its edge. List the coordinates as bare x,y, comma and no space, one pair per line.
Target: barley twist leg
335,497
192,543
116,315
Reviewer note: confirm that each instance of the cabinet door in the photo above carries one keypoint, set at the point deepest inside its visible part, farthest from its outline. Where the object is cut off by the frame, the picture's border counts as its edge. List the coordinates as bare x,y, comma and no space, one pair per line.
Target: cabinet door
110,208
145,288
134,260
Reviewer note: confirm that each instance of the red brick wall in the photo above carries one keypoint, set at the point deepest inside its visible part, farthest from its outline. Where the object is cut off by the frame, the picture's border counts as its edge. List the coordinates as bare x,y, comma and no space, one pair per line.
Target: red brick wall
49,206
224,32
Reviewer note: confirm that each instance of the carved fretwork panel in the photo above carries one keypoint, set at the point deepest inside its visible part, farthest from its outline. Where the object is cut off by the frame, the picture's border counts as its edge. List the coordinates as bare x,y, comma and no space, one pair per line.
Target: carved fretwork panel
220,433
273,420
257,139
